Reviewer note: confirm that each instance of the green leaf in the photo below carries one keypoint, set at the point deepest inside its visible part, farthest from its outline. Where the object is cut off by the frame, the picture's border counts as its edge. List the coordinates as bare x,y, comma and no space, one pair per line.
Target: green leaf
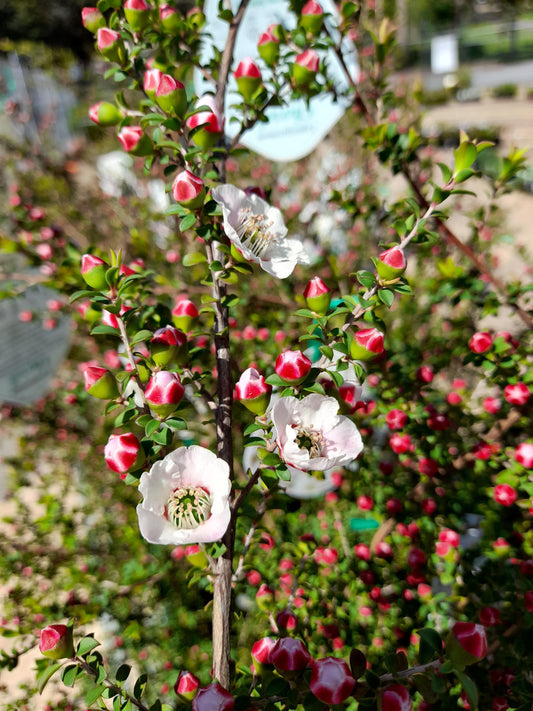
430,645
151,427
176,423
470,689
143,335
357,663
93,694
283,473
104,330
86,645
187,222
274,379
386,296
271,460
83,294
163,437
46,675
140,686
69,674
193,258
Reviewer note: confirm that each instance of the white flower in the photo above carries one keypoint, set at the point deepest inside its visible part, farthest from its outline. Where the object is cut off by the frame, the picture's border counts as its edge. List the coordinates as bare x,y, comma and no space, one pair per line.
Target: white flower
308,486
185,498
257,230
311,436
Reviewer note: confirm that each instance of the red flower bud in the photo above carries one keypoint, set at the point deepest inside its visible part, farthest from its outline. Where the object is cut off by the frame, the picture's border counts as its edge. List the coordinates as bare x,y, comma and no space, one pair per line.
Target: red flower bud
528,600
100,383
305,68
425,374
366,343
396,419
505,495
188,190
151,82
209,123
480,342
449,536
400,443
292,367
489,616
168,345
253,392
137,14
171,96
110,45
396,698
170,18
391,263
135,141
184,314
123,452
92,19
466,643
93,271
213,698
56,642
105,114
264,597
248,78
164,392
290,655
262,653
268,45
516,393
331,680
317,295
186,686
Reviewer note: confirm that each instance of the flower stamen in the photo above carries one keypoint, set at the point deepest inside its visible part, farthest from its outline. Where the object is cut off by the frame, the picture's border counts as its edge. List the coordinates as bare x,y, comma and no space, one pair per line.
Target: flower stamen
188,507
310,440
254,231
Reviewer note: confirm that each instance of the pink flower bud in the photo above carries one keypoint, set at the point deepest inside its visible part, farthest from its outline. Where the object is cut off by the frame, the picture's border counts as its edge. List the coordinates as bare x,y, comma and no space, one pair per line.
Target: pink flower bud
100,383
262,653
248,77
290,655
391,263
184,314
213,698
93,271
268,45
253,392
188,190
425,374
105,114
365,503
209,123
135,141
524,454
480,342
400,443
170,18
450,537
317,295
366,343
286,620
264,597
123,452
164,392
466,643
56,642
505,495
528,600
500,703
489,616
196,556
396,419
349,394
292,367
516,393
331,680
312,16
92,19
186,686
396,698
151,82
137,14
110,45
168,345
171,96
416,557
305,68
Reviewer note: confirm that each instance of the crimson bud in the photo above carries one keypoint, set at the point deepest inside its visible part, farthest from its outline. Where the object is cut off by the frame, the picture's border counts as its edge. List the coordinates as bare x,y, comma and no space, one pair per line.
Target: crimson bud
93,271
391,264
100,383
366,343
253,392
135,141
466,643
317,295
248,78
305,68
164,392
105,114
262,653
396,698
123,452
292,367
92,19
110,44
188,190
524,454
312,16
489,616
151,82
184,314
56,642
516,393
213,698
268,45
331,680
209,123
290,655
171,96
169,18
186,686
168,345
505,495
137,14
480,342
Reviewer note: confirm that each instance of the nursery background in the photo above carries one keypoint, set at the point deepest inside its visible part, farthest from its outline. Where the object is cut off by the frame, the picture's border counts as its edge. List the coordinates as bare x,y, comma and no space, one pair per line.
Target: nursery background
286,265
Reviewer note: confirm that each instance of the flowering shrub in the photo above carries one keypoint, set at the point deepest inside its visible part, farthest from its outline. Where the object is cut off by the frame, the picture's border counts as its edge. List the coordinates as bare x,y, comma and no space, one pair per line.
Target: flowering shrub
372,497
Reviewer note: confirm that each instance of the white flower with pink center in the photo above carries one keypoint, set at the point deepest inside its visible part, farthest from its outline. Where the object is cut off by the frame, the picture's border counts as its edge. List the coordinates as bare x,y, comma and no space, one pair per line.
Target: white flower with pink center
186,498
258,232
311,436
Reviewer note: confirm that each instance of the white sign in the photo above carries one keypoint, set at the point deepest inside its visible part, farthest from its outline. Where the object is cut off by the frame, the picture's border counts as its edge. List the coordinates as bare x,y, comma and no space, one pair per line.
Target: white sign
444,54
292,131
30,353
